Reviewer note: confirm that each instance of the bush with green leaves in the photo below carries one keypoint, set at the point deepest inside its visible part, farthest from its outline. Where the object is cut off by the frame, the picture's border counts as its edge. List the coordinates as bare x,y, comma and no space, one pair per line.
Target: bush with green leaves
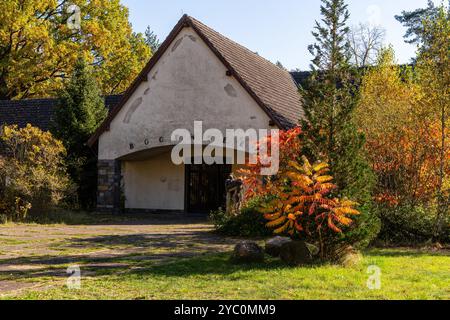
247,223
409,224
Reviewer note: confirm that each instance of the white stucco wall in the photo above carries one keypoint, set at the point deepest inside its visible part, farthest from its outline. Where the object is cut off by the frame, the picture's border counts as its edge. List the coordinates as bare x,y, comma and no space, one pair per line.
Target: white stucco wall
188,83
153,184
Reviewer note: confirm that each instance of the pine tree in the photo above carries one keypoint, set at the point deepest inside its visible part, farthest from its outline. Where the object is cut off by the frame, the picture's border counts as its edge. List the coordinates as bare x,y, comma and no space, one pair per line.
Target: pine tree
330,97
81,110
413,22
151,39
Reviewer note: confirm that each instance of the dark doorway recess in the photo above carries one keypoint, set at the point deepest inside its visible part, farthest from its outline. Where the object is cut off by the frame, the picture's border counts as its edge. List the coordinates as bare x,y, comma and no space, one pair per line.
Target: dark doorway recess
205,187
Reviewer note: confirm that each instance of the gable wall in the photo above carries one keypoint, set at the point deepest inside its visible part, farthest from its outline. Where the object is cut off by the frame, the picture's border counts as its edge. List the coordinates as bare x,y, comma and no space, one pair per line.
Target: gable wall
188,83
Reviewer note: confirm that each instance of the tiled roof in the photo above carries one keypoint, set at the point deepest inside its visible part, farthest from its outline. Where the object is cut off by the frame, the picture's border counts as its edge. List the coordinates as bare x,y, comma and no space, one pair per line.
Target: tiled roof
274,86
37,112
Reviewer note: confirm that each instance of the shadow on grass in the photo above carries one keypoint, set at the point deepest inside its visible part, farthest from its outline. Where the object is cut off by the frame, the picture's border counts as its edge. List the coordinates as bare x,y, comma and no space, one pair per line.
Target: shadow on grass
181,264
132,251
188,238
131,265
93,218
217,264
406,252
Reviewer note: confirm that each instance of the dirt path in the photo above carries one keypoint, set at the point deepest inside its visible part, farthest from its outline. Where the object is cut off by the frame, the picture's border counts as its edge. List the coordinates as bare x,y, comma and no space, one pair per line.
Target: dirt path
38,255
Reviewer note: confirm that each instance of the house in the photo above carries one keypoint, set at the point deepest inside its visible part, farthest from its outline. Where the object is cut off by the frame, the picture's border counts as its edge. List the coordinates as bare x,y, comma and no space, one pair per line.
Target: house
196,75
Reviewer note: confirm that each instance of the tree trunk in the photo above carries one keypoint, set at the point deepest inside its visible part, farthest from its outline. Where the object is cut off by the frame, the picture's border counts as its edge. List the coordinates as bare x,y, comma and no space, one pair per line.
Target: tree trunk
442,203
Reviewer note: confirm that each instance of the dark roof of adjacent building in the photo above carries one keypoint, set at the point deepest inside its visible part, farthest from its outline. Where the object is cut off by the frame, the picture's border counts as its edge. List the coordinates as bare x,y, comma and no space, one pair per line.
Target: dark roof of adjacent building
300,77
37,112
272,87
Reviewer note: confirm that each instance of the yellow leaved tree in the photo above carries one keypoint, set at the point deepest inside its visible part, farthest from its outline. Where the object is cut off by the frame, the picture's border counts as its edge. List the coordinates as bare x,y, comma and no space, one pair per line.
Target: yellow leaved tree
40,40
32,172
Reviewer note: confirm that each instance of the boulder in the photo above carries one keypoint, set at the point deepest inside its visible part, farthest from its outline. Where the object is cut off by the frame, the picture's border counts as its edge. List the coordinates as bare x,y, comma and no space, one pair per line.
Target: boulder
295,253
247,252
273,245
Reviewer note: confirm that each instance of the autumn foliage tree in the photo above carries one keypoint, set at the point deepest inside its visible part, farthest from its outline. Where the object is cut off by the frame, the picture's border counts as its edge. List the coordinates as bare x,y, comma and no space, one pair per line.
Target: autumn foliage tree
38,47
32,172
433,70
404,112
399,142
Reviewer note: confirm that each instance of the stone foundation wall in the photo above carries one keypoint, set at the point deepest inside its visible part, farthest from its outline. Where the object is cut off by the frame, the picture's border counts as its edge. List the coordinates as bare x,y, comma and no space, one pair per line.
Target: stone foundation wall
109,186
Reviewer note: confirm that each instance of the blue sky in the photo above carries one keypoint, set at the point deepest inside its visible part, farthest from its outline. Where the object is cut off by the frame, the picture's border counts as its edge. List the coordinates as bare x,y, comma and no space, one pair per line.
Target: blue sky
277,30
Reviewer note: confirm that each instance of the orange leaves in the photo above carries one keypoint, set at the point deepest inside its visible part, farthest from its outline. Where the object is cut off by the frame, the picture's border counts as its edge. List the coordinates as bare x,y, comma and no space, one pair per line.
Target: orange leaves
321,167
276,222
273,216
303,201
255,185
301,193
398,113
339,214
288,225
324,179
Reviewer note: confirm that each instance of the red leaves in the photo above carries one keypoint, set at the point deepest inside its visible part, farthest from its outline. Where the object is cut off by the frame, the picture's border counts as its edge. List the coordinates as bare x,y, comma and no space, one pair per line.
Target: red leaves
302,192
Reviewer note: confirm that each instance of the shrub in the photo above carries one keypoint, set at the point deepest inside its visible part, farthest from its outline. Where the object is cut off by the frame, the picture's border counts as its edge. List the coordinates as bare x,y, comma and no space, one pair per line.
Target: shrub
408,224
32,174
247,223
303,206
302,201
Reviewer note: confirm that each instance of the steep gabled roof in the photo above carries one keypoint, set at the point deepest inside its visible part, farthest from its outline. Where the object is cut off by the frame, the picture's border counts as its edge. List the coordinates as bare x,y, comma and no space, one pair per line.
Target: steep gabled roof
37,112
271,87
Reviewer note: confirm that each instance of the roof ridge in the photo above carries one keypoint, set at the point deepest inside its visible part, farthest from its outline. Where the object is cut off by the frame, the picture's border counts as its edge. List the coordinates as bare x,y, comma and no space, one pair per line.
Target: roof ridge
236,43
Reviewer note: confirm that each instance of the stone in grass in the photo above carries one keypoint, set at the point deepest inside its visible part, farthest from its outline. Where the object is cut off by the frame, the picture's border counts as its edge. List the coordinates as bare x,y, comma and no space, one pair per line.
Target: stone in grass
295,253
247,252
273,245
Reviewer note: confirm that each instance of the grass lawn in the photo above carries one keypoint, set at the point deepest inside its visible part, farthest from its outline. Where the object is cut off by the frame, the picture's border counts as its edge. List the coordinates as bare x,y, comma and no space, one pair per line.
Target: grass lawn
186,261
406,274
